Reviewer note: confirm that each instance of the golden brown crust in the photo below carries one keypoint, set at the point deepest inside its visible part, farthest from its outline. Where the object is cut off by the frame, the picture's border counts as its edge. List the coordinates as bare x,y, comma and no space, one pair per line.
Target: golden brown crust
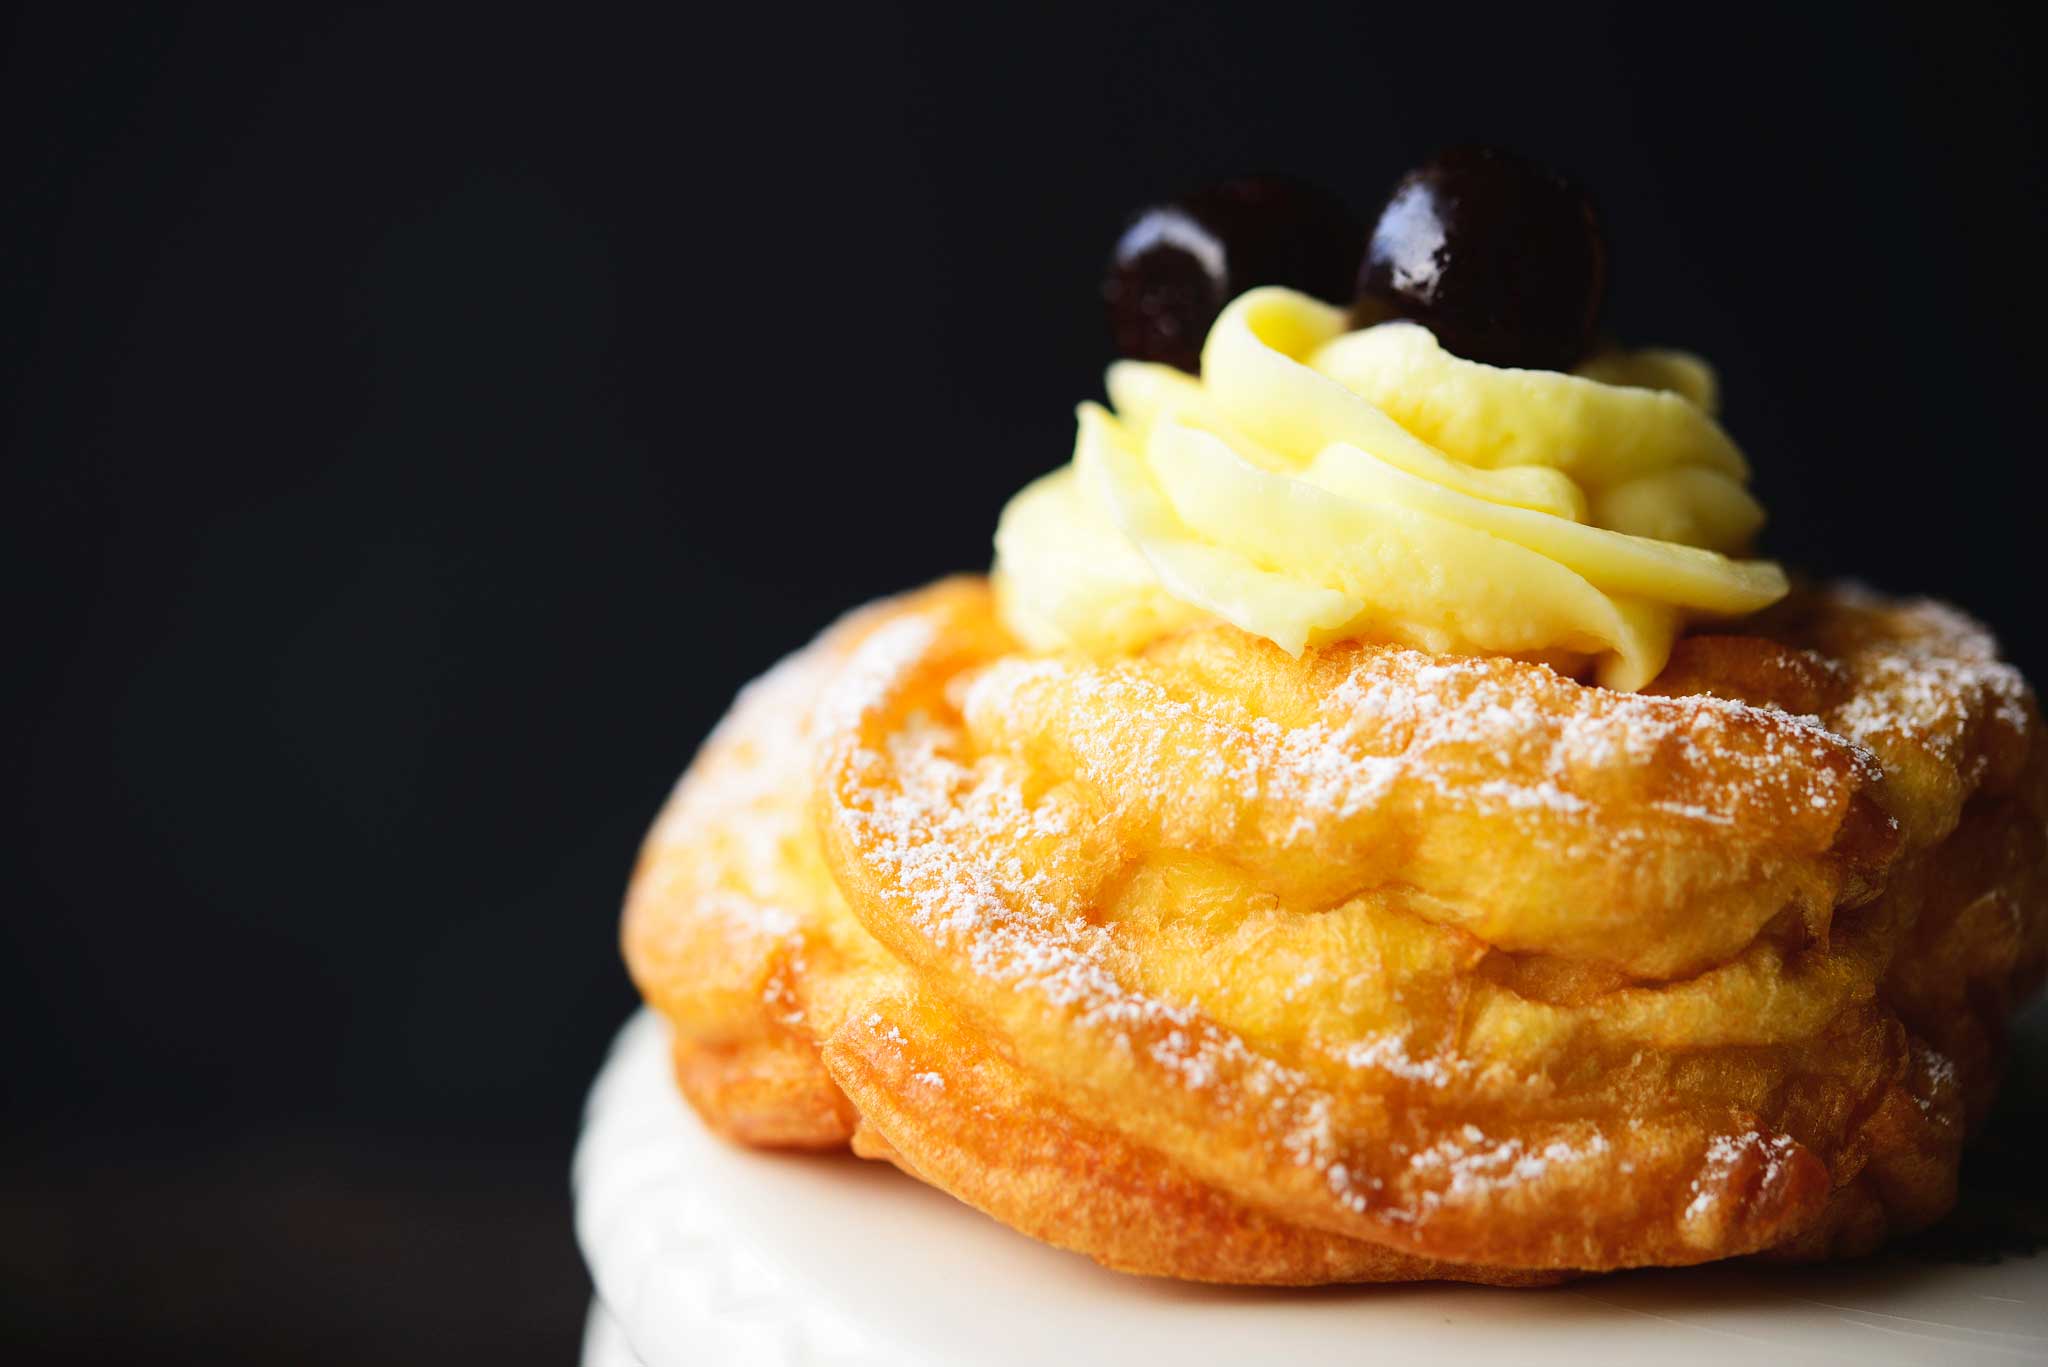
1370,965
983,1134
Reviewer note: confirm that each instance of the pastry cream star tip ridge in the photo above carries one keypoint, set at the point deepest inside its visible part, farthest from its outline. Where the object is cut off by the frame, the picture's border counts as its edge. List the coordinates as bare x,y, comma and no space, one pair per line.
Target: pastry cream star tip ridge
1316,484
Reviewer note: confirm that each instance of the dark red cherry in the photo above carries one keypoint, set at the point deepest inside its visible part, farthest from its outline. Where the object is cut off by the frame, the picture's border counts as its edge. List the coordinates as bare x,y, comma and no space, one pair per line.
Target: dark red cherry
1502,259
1177,264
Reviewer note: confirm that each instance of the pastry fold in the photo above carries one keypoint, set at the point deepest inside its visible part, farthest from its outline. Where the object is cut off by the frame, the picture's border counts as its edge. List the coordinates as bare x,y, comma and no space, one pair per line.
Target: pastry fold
1212,962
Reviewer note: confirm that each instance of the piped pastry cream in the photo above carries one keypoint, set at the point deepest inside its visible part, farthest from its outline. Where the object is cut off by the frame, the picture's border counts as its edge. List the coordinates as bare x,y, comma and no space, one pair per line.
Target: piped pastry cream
1319,484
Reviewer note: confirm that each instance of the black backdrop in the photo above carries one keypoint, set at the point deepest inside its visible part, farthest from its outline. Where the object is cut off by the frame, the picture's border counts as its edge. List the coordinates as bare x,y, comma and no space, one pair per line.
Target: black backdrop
417,426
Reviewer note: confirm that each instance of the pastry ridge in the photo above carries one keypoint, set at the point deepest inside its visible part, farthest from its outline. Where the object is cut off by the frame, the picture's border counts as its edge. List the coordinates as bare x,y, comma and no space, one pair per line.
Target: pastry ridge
1369,965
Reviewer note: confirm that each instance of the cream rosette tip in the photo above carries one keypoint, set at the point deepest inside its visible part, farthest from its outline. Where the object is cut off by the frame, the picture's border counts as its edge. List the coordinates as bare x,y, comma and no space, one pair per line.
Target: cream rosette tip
1318,484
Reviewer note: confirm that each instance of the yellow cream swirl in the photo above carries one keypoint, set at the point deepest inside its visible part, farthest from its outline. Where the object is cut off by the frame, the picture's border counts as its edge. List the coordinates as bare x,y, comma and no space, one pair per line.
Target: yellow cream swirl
1318,484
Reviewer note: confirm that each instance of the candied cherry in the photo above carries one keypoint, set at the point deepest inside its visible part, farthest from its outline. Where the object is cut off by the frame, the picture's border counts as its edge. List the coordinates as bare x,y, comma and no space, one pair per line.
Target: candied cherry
1501,258
1178,263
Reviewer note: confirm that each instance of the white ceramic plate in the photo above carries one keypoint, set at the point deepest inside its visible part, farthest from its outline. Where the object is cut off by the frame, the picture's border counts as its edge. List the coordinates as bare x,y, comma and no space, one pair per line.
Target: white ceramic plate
714,1256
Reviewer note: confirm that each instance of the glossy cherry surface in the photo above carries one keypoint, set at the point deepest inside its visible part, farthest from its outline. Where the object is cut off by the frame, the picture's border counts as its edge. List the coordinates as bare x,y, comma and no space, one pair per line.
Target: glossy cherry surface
1501,258
1177,264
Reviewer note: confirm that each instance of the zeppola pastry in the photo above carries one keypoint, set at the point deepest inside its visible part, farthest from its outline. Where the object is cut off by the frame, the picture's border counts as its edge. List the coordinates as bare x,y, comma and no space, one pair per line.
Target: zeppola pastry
1374,822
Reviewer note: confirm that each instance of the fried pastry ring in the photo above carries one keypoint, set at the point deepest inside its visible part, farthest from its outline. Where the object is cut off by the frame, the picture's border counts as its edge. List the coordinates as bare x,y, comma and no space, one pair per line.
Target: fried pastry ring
1369,965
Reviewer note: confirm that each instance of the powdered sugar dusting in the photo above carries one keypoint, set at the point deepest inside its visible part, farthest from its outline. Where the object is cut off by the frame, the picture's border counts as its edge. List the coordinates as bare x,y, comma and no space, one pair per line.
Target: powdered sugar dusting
977,830
945,833
1389,1054
737,794
1475,1164
1726,1156
918,812
1514,742
1940,672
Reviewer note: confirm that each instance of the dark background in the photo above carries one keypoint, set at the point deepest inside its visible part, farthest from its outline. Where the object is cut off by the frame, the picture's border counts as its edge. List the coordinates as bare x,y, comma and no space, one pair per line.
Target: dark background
417,426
